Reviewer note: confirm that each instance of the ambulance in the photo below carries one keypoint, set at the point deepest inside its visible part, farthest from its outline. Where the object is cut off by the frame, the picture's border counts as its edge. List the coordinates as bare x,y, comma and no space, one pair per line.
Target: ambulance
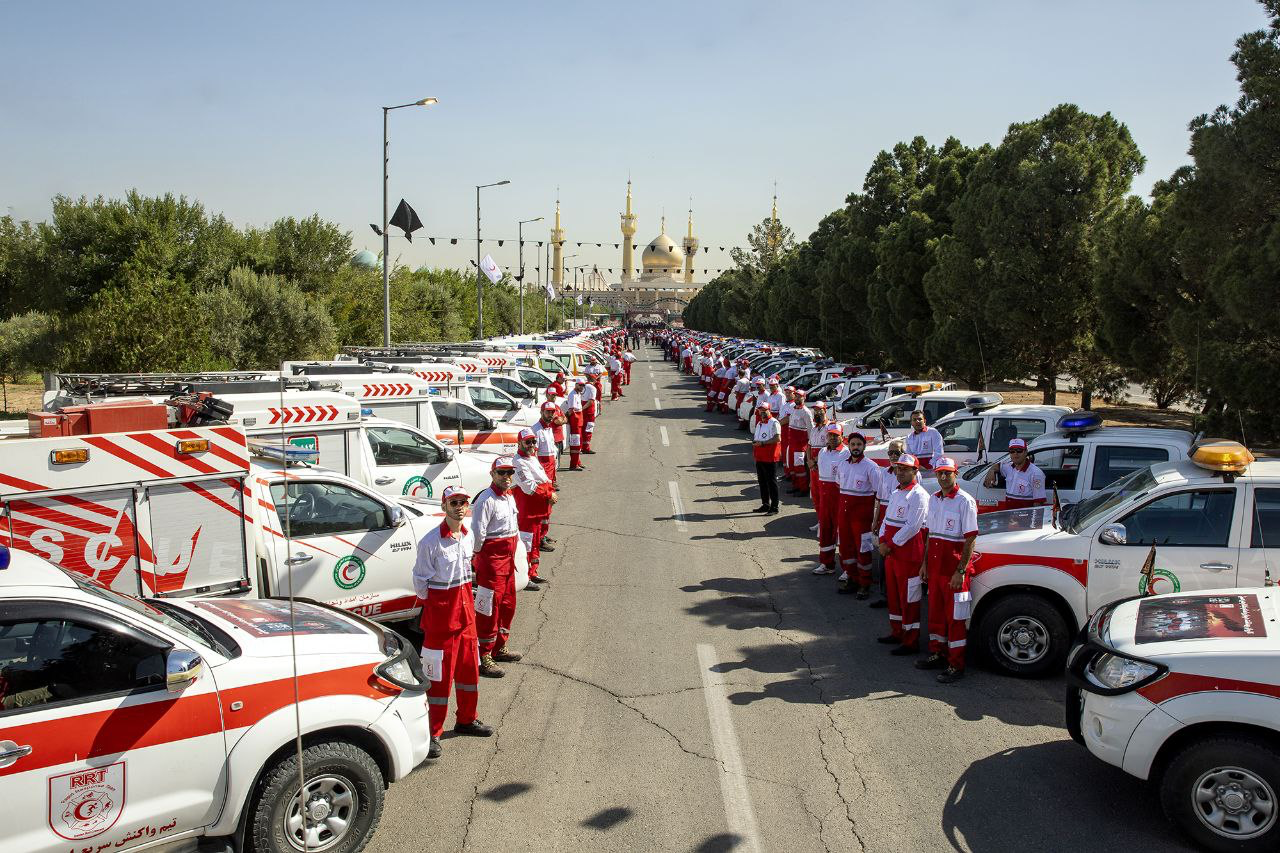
206,511
1184,691
170,724
1183,526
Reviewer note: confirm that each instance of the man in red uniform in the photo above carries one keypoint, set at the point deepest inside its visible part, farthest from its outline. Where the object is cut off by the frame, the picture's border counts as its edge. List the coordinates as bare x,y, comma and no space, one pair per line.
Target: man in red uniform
628,358
615,377
953,528
829,459
817,440
859,477
535,495
902,546
1023,480
495,531
548,446
798,426
575,423
590,397
442,580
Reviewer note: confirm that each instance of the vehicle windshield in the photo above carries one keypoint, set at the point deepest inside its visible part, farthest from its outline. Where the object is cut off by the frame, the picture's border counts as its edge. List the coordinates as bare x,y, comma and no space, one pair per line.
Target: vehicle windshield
1079,516
148,610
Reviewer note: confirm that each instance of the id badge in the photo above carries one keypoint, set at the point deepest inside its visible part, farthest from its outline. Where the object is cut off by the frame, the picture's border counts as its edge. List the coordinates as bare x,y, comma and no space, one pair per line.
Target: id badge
963,605
484,600
526,539
868,543
913,590
433,663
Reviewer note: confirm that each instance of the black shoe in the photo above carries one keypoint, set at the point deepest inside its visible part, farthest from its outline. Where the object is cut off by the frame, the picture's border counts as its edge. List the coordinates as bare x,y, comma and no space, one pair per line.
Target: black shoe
540,580
863,594
933,661
879,604
761,508
474,728
578,468
846,590
435,749
773,510
532,586
950,675
547,540
888,639
592,452
903,651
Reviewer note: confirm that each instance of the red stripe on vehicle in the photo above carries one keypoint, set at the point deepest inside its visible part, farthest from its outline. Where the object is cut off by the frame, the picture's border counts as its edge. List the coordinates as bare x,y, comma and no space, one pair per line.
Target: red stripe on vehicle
1078,569
159,445
1177,684
128,456
19,483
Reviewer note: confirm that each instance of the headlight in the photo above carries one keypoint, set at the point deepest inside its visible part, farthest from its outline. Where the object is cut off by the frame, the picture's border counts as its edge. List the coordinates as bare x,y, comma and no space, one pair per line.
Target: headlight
403,666
399,671
1116,673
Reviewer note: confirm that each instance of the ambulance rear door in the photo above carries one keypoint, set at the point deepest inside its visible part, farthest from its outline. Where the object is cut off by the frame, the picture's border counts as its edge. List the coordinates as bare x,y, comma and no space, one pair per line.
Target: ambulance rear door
200,536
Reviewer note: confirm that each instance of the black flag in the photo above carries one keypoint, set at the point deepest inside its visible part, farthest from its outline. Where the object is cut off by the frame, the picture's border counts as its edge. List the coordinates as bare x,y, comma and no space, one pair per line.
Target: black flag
406,218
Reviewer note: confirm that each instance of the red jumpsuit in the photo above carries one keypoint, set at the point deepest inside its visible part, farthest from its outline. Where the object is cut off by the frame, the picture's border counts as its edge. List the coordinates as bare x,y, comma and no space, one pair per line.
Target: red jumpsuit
905,512
533,491
829,502
589,397
797,446
497,530
626,367
576,424
442,579
858,482
948,608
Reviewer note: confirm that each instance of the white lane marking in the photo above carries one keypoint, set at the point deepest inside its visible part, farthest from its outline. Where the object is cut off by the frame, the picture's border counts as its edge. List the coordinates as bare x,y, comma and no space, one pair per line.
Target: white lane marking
653,385
657,404
666,440
739,814
677,505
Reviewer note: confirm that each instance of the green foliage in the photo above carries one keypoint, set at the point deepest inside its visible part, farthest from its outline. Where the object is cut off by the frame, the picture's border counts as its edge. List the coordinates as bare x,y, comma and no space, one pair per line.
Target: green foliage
28,342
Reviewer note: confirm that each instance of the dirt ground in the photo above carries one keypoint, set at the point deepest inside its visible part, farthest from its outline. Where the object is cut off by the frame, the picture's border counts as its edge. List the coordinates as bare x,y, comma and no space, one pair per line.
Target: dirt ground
1126,414
22,398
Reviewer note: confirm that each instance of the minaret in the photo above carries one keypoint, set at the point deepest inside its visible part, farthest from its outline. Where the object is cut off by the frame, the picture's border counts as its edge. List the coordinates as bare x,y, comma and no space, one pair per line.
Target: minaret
690,244
628,236
557,249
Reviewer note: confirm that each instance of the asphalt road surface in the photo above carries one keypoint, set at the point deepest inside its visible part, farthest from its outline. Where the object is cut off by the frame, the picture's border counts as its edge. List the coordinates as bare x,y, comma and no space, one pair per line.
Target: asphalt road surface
688,685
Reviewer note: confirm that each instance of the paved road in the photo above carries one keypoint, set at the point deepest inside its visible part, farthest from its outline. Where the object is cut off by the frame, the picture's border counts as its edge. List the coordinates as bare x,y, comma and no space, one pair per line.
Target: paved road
688,685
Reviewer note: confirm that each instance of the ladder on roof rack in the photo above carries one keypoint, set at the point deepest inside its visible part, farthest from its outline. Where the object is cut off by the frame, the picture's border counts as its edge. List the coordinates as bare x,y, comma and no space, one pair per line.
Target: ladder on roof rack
146,384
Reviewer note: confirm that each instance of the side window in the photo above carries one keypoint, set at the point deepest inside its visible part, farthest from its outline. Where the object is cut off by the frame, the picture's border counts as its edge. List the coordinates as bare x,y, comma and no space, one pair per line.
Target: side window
1110,462
44,661
1266,519
961,436
392,446
447,414
472,419
1061,465
324,509
488,399
1004,430
934,410
1195,518
533,379
895,416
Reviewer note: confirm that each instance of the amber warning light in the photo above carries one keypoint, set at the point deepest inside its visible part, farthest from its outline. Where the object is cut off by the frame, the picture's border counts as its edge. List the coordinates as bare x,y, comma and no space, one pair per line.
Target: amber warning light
69,457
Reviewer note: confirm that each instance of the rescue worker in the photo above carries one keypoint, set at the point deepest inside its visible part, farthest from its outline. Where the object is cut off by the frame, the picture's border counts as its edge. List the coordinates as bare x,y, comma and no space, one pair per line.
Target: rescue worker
714,389
495,529
829,459
726,387
545,430
557,426
615,377
590,397
766,448
859,477
628,358
595,377
924,442
575,424
798,445
1023,480
535,496
741,386
558,385
686,359
952,529
783,413
442,581
902,546
775,397
884,490
817,441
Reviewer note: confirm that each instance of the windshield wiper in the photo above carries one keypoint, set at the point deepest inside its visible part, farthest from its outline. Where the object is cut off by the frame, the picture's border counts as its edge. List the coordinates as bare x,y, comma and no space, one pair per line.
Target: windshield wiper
190,622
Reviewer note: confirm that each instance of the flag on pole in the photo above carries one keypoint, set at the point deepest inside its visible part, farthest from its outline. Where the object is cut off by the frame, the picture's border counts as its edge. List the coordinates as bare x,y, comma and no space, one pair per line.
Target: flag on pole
579,298
490,268
407,218
551,291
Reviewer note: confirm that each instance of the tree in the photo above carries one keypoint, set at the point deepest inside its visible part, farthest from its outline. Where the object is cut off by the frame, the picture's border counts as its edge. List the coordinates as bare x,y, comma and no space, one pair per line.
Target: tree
28,342
768,241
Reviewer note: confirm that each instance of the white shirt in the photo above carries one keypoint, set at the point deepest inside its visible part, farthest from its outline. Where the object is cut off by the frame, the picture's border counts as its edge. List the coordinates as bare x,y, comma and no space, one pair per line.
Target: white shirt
953,517
775,401
859,478
589,393
546,434
926,444
443,560
886,486
785,410
614,364
573,403
908,508
1023,485
801,418
685,353
529,473
767,431
818,435
829,462
742,386
627,356
493,516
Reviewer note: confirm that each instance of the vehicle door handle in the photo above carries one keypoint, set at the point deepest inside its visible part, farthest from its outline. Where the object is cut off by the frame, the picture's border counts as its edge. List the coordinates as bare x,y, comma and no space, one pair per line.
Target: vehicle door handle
11,752
1216,567
298,559
382,481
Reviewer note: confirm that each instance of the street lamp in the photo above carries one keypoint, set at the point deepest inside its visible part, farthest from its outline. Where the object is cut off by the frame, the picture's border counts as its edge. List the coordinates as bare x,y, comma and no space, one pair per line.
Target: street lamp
576,309
480,272
559,295
520,239
386,238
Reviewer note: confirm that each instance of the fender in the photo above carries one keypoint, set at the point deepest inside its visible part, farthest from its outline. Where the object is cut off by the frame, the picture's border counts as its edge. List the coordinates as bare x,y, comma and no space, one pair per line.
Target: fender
1033,576
1208,707
246,755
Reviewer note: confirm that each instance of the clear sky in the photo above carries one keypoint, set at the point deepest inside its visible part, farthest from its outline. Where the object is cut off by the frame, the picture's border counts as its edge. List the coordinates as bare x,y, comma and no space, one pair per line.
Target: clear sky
266,109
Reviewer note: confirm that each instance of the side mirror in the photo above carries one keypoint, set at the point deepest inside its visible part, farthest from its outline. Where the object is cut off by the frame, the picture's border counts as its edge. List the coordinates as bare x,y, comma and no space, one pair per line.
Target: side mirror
396,517
181,669
449,453
1114,534
490,424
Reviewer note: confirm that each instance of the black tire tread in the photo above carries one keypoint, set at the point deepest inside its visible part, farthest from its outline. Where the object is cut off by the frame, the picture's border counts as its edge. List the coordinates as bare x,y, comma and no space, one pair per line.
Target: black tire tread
1028,603
1171,793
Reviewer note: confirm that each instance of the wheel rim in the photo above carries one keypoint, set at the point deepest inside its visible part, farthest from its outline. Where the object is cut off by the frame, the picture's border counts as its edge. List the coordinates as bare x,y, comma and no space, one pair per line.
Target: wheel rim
1234,803
1023,639
329,809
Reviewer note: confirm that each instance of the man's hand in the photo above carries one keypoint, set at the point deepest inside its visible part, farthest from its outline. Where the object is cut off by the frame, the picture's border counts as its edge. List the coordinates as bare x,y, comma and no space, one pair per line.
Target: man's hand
883,549
957,580
554,499
924,571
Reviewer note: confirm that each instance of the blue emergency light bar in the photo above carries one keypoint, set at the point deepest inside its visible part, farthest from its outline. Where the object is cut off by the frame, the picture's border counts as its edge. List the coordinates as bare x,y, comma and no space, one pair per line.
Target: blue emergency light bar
1079,421
366,412
285,453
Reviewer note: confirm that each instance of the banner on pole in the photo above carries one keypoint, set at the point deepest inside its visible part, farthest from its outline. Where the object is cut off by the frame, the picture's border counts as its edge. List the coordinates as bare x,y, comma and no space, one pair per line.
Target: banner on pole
490,269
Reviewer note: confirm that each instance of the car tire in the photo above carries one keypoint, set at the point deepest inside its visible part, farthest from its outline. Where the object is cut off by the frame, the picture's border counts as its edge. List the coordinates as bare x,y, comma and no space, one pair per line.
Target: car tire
1256,766
341,774
1025,636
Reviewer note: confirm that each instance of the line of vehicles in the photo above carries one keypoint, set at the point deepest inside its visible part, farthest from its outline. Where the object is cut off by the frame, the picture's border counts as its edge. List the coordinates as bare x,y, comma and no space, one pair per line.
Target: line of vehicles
1151,580
200,580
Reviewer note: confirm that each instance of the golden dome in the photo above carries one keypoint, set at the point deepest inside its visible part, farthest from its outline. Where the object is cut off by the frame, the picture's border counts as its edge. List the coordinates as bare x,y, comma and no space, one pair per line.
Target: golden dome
662,255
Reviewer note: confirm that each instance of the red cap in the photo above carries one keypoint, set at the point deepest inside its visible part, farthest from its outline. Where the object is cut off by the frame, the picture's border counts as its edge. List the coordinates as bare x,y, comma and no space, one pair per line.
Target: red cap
453,492
944,463
527,433
835,429
908,460
503,463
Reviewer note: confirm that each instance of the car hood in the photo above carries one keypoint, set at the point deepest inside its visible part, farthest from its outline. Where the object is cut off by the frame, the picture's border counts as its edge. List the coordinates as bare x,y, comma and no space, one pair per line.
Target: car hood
1217,622
1016,530
261,627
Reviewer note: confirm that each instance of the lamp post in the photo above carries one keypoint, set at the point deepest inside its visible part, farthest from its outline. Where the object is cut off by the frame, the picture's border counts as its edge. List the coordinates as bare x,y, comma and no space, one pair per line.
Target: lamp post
480,272
577,313
386,238
520,239
565,259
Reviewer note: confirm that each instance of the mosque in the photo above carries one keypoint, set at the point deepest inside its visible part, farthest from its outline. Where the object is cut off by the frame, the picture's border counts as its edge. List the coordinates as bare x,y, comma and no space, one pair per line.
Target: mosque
665,278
